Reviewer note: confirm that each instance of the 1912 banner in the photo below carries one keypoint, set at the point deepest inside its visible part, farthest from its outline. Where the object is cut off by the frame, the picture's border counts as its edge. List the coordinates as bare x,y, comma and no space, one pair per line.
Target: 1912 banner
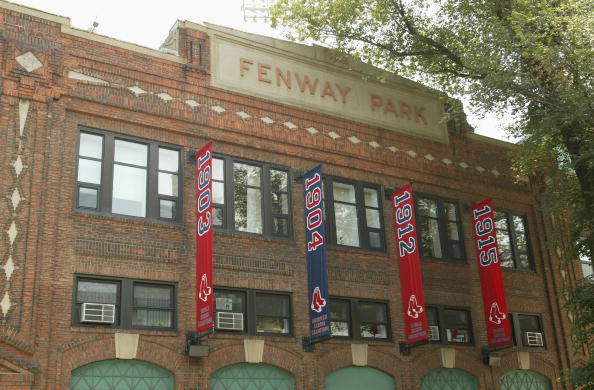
485,237
411,283
204,291
315,245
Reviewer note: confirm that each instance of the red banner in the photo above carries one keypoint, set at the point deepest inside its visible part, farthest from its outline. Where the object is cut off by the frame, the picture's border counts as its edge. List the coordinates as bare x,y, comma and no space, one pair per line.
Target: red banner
487,252
204,292
411,283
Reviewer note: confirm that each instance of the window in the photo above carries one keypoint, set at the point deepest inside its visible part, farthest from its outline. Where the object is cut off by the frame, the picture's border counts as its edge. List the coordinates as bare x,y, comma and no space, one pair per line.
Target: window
439,228
353,214
251,197
587,269
138,304
252,312
122,175
512,239
449,325
359,319
527,330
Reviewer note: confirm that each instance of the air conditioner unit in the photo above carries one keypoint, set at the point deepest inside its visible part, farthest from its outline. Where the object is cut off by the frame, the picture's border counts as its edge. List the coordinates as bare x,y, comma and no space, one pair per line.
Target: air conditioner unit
534,339
98,312
229,321
434,333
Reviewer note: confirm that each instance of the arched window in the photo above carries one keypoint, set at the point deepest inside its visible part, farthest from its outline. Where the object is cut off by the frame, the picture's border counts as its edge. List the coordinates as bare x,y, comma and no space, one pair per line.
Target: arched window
119,374
252,376
357,378
524,380
448,379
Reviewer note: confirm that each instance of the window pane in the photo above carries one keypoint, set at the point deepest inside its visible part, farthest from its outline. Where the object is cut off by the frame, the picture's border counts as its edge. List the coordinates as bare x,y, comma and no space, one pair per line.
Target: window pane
230,301
524,261
91,145
505,251
457,335
280,226
373,218
157,318
248,209
129,191
521,242
246,174
218,169
217,216
455,250
587,270
372,312
430,241
340,328
272,325
130,152
453,231
168,160
529,323
457,325
518,223
427,207
344,192
280,203
89,171
378,331
278,180
370,195
152,296
218,192
96,292
166,208
500,221
450,210
375,240
272,305
347,232
339,310
168,184
432,316
87,197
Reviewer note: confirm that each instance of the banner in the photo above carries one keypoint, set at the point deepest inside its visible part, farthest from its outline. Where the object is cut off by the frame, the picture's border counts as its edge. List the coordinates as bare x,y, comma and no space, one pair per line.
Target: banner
411,283
315,245
204,291
485,238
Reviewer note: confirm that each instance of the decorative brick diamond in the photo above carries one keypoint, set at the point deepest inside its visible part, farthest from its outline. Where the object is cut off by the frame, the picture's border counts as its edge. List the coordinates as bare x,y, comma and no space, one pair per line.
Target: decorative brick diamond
393,149
312,130
354,140
374,144
218,109
446,161
9,268
267,120
495,172
18,166
29,61
5,304
412,153
333,135
165,96
137,90
12,232
16,198
480,169
192,103
429,157
290,125
464,165
243,115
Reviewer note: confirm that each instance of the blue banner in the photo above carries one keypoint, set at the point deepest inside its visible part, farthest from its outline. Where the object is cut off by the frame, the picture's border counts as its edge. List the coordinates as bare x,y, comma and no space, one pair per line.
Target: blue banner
315,245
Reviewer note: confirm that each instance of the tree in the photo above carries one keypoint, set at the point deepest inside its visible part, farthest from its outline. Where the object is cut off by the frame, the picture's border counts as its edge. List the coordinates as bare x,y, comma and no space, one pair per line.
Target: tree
533,57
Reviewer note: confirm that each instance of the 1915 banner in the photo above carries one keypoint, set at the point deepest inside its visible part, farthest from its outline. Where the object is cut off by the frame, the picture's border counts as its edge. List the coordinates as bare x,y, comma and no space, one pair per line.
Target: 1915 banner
485,237
204,291
315,245
411,283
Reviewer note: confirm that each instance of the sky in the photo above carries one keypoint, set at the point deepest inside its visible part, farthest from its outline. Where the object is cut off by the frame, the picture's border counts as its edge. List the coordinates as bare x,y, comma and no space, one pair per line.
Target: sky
147,23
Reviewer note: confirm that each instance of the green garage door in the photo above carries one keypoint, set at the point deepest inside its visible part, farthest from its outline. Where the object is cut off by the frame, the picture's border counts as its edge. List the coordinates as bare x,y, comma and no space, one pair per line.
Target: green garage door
249,376
448,379
524,380
359,378
121,375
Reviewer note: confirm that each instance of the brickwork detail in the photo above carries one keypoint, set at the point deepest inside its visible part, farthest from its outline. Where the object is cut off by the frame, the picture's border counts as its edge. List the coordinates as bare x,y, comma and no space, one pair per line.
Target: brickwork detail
111,249
252,264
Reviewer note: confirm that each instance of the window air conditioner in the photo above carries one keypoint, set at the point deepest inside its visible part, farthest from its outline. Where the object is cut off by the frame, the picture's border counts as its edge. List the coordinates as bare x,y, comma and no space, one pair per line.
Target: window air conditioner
97,312
229,321
434,333
534,339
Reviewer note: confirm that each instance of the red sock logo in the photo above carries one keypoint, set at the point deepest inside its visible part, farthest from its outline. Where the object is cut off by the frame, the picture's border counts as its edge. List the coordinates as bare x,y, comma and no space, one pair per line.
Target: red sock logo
317,302
414,309
204,290
495,314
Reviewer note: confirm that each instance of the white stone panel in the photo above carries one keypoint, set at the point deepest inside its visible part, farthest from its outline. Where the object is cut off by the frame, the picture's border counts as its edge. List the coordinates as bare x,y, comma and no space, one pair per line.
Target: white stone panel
448,357
5,304
126,345
12,232
84,77
359,353
23,112
254,350
29,61
9,268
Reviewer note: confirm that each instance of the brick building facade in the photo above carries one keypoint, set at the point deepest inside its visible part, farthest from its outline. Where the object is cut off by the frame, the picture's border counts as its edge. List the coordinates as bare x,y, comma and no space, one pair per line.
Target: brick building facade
97,204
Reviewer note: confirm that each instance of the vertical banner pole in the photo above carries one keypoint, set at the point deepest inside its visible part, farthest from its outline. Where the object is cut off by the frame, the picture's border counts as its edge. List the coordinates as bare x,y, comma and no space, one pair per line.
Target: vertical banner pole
204,291
487,252
315,246
411,282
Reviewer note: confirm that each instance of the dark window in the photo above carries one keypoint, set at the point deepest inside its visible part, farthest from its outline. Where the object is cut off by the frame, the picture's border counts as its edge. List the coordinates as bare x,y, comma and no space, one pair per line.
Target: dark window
359,319
122,175
439,228
449,325
512,239
353,214
527,330
251,197
252,312
138,304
